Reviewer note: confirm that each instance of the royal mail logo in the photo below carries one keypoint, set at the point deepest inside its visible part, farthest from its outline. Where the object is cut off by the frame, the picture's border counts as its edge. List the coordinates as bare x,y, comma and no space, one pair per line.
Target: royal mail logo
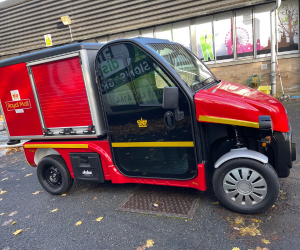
17,104
22,104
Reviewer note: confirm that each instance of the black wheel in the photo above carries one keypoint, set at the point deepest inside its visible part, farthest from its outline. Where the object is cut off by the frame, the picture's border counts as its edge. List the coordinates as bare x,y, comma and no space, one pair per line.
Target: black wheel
246,186
53,174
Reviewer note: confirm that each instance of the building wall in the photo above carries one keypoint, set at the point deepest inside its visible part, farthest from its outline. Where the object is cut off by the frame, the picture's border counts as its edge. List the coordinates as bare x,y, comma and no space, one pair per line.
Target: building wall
289,69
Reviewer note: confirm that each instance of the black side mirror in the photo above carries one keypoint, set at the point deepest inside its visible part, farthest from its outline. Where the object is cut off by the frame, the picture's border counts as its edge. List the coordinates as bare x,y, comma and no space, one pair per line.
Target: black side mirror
171,101
170,98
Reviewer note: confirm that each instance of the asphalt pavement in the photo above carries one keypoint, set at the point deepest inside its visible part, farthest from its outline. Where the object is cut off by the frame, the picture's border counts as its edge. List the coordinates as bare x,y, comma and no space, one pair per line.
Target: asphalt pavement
85,218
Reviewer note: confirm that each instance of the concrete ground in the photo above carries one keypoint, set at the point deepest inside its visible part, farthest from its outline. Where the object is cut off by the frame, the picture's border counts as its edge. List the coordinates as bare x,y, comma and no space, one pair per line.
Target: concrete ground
49,222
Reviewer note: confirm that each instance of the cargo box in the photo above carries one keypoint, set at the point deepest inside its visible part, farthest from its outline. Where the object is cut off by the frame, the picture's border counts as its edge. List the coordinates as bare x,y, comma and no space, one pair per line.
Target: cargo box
52,94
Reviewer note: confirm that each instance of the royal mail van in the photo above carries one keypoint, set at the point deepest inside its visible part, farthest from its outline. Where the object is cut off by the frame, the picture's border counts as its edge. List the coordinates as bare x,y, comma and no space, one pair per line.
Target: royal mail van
145,111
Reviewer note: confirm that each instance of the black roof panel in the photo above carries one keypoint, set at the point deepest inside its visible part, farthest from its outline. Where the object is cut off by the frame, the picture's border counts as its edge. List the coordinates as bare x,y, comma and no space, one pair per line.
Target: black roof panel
50,52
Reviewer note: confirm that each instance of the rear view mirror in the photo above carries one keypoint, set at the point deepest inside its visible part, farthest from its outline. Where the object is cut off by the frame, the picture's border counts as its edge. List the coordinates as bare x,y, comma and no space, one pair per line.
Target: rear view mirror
170,98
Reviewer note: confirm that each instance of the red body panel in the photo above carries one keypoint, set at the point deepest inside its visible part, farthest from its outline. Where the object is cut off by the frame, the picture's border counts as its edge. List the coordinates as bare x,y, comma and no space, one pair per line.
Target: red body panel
233,101
111,172
62,93
19,107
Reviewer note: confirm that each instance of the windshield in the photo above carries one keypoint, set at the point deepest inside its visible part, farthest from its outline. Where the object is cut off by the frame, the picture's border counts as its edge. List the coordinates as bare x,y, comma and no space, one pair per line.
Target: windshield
191,70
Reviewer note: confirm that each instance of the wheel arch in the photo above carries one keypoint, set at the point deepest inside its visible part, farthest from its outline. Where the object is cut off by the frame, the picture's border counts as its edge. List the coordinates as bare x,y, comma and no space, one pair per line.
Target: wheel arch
40,153
241,153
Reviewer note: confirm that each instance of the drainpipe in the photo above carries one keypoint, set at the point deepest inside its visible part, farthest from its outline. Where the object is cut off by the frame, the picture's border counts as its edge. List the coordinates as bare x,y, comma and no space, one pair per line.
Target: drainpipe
273,46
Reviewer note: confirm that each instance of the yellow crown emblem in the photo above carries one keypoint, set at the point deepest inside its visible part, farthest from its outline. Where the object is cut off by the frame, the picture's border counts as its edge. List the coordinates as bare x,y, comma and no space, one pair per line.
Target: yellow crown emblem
16,96
142,123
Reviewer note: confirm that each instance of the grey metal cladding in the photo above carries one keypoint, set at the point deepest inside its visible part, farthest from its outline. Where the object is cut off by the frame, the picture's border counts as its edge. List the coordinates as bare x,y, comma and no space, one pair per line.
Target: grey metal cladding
24,25
50,52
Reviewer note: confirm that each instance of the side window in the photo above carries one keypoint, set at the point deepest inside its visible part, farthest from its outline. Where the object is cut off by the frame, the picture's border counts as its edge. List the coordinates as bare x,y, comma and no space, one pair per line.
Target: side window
148,79
133,80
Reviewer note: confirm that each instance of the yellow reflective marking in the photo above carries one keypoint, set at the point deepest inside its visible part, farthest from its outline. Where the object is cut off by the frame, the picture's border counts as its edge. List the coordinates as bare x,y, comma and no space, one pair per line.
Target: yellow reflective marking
56,146
203,118
152,144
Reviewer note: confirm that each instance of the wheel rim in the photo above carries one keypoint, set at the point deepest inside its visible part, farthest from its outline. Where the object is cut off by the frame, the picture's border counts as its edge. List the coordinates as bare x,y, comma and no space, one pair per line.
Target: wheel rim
52,176
245,186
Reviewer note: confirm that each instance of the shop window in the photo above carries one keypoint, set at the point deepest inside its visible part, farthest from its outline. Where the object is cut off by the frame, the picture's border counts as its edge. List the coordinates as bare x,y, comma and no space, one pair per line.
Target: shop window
223,34
205,39
181,33
164,32
263,29
243,33
288,26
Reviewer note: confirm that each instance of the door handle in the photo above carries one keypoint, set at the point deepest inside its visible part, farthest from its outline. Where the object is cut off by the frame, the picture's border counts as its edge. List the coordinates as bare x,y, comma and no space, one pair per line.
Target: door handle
170,120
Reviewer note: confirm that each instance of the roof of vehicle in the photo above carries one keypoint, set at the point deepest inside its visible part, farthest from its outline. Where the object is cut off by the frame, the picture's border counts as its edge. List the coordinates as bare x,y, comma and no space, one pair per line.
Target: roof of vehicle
50,52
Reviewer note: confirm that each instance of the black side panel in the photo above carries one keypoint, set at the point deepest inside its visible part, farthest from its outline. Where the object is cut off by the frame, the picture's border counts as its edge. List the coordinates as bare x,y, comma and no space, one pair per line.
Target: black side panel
87,167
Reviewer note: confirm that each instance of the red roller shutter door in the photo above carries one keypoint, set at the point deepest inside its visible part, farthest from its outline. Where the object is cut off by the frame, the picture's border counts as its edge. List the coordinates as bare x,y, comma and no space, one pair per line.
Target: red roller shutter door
62,95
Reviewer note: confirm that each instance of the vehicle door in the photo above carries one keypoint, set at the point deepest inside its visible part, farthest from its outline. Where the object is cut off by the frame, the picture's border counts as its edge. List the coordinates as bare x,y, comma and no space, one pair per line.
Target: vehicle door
132,86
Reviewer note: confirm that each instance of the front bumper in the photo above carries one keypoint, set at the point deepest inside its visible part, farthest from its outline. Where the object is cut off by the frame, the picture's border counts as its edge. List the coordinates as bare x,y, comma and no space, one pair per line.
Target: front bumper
286,152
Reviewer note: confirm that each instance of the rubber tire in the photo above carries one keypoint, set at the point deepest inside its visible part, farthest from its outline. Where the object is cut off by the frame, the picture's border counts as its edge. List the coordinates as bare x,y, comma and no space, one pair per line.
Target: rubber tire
266,170
57,161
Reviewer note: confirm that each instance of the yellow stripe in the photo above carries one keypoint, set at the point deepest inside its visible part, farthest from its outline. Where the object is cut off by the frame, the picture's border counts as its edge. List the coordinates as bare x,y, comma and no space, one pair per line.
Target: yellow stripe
203,118
56,146
152,144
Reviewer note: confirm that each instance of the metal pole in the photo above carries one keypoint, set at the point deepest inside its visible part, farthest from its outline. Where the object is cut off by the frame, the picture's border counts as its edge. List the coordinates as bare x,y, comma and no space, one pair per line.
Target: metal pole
273,47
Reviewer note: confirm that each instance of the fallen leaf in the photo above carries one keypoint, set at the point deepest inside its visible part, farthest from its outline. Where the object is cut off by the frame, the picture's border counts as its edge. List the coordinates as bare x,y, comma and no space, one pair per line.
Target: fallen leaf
13,223
95,198
54,210
265,241
5,223
1,199
251,230
37,192
13,213
2,214
4,179
27,216
239,220
2,192
78,223
23,168
257,221
18,231
99,219
235,248
63,194
89,212
215,203
236,228
28,175
149,243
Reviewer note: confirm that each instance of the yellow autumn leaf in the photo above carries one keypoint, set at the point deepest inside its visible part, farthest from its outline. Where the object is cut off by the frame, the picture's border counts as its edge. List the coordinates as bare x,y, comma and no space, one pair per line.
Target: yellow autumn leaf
18,231
28,175
13,223
54,210
215,203
236,248
99,219
4,179
251,230
265,241
63,194
149,243
2,192
239,220
78,223
37,192
95,198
